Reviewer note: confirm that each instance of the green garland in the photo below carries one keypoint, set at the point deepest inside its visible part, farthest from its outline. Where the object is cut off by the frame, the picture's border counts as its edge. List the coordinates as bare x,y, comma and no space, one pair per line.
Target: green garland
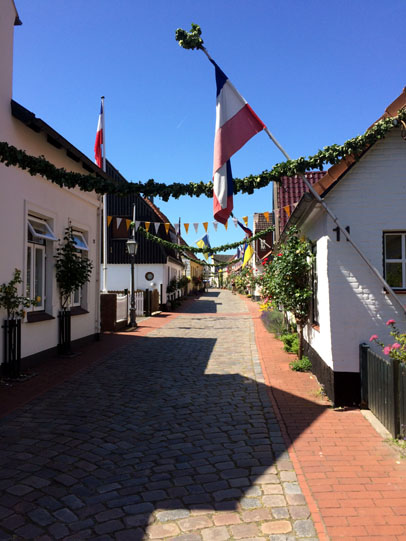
11,156
183,247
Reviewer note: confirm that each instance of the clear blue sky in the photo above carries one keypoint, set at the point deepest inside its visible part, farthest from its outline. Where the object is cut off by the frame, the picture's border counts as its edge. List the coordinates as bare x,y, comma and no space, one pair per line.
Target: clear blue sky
316,72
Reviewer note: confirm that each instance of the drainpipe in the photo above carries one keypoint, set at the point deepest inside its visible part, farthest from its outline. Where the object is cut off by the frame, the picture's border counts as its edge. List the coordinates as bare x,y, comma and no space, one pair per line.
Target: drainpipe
97,268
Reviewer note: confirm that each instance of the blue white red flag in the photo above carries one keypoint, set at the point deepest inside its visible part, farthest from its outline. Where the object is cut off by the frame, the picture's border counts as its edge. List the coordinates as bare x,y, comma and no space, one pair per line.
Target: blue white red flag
236,123
99,139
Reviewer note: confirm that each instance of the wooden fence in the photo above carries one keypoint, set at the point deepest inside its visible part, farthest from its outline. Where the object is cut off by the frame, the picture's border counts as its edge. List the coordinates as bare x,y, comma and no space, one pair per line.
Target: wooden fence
383,389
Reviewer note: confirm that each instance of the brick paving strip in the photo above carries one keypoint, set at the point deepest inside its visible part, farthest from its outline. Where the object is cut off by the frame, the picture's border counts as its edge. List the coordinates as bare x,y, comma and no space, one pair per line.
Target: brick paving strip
171,437
354,482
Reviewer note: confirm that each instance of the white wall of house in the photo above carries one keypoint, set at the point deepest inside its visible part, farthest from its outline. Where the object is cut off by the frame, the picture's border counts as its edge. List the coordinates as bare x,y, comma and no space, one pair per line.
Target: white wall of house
370,199
119,276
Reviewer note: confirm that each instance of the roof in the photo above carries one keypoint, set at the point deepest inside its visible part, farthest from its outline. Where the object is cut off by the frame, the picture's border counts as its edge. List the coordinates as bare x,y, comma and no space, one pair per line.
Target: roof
290,190
261,223
336,172
55,139
223,258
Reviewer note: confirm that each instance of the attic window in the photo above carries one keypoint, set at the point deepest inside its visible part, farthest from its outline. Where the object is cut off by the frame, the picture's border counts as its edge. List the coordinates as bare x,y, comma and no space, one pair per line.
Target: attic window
40,229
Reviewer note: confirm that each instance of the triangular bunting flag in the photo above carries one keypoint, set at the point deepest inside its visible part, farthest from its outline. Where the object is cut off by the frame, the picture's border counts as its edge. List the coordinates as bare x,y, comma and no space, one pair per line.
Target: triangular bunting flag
137,224
147,224
245,218
226,225
118,222
186,226
128,223
109,218
215,225
205,225
167,227
235,220
156,225
176,228
287,210
266,214
196,226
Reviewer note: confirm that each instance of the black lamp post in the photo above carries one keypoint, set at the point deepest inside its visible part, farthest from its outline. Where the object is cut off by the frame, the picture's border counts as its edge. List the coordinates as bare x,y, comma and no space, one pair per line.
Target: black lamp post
132,247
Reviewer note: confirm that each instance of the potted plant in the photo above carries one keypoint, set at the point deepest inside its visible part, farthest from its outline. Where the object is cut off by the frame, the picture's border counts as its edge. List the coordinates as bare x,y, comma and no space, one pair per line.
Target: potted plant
14,305
72,272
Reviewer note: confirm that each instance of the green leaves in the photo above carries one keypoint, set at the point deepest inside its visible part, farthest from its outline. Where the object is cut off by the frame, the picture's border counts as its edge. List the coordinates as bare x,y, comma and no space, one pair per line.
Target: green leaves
11,301
189,40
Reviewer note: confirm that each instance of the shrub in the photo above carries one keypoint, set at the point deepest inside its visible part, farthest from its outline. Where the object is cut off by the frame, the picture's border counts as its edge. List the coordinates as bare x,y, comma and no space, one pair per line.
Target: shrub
301,365
291,342
274,322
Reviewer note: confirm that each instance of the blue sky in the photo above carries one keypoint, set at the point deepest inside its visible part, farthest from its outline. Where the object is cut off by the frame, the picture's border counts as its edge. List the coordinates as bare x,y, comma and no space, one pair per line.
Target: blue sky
316,72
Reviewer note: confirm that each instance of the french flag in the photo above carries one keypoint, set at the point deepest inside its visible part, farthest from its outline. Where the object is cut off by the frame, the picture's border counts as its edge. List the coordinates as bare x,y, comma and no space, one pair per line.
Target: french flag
236,123
99,139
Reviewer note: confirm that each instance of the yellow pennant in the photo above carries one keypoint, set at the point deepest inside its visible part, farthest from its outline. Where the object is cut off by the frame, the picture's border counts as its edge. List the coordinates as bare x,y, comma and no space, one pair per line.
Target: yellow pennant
167,227
226,225
287,210
109,218
128,223
245,218
266,214
147,224
186,228
205,225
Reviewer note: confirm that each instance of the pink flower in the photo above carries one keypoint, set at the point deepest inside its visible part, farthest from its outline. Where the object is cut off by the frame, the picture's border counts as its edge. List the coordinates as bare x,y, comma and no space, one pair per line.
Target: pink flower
279,255
373,337
390,322
386,350
395,346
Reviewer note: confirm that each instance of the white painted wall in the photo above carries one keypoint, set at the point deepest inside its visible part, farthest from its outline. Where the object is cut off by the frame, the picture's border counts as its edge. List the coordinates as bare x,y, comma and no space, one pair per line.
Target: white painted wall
371,199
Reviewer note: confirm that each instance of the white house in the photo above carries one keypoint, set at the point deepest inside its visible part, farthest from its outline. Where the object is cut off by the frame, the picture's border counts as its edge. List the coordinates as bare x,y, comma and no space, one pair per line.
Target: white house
368,196
34,214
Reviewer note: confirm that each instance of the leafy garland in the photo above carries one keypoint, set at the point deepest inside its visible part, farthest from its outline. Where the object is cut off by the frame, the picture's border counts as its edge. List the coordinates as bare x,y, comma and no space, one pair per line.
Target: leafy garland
183,247
11,156
216,265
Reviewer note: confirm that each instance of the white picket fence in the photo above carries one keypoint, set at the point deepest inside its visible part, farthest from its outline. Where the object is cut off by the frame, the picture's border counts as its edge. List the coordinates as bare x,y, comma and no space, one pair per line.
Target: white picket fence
124,305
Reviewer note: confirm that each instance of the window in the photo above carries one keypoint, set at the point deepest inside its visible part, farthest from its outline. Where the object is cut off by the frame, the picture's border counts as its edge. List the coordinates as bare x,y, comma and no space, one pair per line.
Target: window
315,299
39,237
395,259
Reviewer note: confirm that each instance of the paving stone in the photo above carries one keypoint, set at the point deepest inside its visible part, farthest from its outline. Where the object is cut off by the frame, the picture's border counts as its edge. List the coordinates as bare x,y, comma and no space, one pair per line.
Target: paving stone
257,515
165,516
218,533
240,531
304,528
161,531
299,511
41,517
58,531
109,527
250,503
276,527
65,515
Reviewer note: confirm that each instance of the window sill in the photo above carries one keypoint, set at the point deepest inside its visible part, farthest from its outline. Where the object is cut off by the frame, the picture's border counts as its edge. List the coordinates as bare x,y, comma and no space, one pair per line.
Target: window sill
34,317
78,311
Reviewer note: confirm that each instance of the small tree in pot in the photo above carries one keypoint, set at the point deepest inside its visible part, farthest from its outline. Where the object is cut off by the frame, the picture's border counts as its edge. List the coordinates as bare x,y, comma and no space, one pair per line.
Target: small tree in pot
14,305
72,272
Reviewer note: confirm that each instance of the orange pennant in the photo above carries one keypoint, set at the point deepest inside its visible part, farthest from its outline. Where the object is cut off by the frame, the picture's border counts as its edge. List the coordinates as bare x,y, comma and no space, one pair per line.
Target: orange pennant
147,224
128,223
186,228
266,214
109,218
287,210
245,218
205,225
226,225
167,227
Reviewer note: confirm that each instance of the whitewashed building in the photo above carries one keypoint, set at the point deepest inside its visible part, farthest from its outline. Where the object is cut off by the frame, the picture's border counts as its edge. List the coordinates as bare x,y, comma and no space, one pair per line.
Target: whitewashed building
368,196
34,214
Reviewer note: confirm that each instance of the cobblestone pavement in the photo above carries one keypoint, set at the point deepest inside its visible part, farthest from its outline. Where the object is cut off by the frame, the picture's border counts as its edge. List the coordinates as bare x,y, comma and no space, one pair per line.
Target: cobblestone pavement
170,437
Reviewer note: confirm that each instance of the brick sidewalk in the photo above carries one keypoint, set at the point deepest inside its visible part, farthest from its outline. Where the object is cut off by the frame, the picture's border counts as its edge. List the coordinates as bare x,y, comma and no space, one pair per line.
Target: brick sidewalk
354,482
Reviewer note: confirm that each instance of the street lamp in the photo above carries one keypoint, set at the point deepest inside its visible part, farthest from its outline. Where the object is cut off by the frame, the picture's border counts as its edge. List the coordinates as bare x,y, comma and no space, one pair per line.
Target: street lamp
132,247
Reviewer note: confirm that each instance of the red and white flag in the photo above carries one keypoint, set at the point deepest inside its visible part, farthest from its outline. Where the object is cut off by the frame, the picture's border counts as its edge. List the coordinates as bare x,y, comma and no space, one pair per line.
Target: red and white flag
98,155
236,123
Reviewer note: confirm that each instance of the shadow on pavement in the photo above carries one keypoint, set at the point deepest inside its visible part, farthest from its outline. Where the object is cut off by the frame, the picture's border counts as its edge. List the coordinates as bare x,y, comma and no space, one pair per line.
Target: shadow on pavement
145,430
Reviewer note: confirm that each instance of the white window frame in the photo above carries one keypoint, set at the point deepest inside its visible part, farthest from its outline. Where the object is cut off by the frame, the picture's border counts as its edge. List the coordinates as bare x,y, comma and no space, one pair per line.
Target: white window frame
38,245
402,260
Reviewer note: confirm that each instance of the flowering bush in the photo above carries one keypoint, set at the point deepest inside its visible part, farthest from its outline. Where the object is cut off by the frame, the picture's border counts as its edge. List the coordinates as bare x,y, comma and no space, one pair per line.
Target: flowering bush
397,350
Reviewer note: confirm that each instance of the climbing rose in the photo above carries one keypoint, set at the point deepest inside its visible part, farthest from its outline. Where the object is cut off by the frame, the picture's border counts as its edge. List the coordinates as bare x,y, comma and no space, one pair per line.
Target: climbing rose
373,337
395,346
279,255
390,322
386,350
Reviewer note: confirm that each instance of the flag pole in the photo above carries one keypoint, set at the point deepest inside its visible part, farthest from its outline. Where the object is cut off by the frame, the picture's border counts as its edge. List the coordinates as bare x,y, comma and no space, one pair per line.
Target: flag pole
104,207
321,201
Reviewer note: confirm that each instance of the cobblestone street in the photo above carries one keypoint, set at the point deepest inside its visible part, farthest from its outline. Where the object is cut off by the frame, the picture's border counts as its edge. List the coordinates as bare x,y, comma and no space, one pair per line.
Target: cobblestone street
172,436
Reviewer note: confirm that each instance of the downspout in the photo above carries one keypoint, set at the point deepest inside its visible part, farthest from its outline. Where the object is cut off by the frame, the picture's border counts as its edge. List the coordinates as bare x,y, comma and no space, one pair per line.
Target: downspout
98,261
